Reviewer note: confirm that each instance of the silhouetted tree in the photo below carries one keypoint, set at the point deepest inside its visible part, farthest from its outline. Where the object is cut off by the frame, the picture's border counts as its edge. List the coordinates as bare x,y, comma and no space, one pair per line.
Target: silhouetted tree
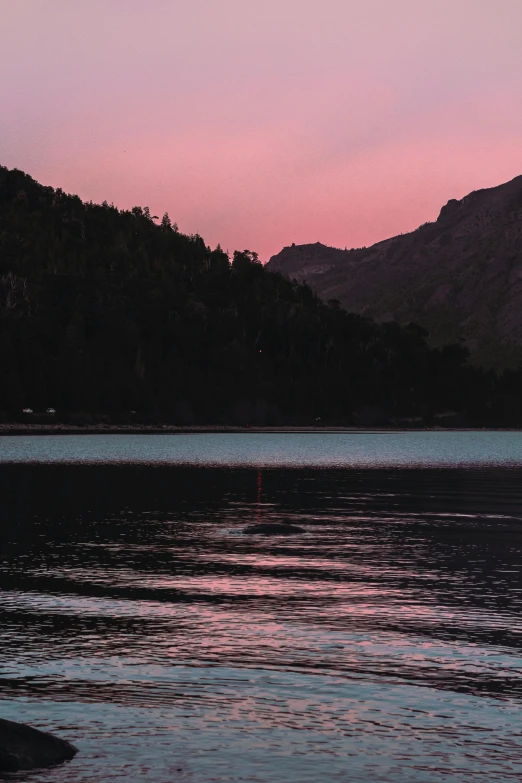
102,311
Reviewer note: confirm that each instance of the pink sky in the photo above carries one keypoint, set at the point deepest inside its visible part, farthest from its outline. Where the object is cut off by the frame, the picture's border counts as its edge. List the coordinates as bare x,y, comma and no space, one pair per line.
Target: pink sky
258,123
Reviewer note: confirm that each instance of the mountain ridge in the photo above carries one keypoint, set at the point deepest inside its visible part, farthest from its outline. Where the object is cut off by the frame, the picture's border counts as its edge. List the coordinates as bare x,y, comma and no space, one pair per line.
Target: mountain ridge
108,318
460,277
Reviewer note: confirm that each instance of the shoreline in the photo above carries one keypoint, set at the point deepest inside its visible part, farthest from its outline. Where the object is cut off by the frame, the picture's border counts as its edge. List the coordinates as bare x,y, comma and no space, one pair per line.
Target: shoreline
167,429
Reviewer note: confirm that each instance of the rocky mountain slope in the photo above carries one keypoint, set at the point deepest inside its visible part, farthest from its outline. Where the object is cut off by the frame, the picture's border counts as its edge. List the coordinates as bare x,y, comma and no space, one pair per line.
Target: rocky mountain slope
459,277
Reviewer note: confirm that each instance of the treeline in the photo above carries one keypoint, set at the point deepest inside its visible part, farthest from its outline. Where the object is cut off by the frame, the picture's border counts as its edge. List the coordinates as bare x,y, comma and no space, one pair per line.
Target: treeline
116,315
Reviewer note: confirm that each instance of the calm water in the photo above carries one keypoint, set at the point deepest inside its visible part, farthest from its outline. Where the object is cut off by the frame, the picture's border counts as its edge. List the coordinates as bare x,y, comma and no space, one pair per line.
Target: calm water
383,644
368,450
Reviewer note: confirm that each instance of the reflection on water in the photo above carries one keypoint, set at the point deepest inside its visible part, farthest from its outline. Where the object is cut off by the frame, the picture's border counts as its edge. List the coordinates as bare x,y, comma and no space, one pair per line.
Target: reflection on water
293,449
383,644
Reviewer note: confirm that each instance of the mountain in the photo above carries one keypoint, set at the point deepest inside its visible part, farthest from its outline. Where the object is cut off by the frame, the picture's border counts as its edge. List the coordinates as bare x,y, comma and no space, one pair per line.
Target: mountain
459,277
106,315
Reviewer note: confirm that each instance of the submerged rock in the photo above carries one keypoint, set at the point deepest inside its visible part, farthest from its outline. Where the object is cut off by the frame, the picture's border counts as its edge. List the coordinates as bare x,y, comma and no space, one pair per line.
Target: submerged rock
22,747
274,529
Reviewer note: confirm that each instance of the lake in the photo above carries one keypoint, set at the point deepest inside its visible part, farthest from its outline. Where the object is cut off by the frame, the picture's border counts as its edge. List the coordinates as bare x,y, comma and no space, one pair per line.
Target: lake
382,645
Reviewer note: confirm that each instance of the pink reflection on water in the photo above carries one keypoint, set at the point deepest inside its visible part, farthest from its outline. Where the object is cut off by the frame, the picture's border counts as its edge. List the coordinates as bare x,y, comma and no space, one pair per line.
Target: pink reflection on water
259,491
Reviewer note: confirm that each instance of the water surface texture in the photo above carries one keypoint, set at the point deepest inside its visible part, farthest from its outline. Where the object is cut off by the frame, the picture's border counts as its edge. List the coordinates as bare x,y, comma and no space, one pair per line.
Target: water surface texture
292,449
383,644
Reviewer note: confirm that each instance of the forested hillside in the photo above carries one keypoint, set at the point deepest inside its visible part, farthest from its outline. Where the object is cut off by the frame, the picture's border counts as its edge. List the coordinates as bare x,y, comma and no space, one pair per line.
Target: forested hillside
116,314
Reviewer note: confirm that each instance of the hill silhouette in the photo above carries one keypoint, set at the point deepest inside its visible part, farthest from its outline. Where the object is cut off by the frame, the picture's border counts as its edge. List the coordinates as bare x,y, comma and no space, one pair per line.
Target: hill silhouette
108,315
459,277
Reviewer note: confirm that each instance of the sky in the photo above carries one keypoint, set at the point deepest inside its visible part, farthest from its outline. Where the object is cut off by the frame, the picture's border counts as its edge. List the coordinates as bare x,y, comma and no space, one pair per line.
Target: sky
258,123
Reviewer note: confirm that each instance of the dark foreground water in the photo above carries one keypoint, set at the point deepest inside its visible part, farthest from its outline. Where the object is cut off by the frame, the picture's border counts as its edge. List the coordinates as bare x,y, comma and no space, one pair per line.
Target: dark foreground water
383,644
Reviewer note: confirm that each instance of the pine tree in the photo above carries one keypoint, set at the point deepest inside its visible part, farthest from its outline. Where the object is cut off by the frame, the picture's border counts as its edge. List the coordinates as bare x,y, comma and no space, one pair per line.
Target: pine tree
165,222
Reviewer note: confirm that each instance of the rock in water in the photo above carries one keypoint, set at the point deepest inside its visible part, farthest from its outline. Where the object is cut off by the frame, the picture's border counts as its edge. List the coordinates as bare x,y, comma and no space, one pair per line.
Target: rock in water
22,747
274,529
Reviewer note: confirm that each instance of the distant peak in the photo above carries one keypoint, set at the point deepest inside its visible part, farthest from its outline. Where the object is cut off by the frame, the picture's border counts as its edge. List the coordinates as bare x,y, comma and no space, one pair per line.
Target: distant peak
497,198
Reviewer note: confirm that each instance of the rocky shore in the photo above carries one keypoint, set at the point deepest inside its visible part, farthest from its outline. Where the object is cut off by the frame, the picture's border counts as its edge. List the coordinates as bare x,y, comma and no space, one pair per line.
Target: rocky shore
168,429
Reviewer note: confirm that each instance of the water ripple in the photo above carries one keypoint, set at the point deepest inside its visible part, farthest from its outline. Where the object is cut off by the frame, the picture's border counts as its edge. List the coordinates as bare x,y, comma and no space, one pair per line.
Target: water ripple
384,643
